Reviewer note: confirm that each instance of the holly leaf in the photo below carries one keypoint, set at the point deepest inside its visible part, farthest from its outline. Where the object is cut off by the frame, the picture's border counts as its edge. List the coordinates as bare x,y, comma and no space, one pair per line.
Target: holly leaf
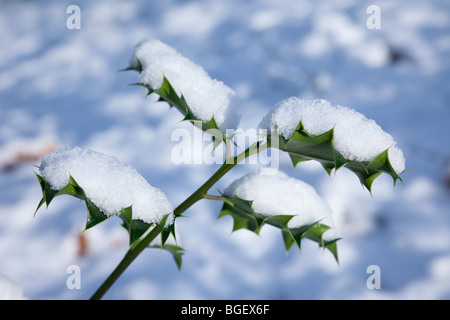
303,146
244,217
175,250
168,94
242,213
95,215
135,227
313,232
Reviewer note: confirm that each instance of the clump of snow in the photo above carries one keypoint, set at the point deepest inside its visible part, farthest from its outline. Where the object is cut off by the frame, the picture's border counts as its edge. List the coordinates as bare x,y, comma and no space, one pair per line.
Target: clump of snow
107,182
205,96
275,193
355,136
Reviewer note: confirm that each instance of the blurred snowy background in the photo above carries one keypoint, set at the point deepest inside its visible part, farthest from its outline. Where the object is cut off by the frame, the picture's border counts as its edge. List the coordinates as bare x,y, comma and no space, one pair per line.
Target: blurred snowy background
61,87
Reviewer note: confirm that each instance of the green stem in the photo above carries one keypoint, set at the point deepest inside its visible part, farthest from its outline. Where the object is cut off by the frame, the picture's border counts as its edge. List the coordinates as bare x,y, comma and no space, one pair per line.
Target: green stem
199,194
132,254
211,197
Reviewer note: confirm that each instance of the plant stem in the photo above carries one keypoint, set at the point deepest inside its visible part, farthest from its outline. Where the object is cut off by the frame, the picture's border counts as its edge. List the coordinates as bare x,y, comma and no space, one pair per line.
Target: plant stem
129,257
211,197
199,194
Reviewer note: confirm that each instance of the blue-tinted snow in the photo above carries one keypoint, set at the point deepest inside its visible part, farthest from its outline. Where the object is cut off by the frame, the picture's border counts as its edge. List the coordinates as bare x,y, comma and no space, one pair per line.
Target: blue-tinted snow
61,86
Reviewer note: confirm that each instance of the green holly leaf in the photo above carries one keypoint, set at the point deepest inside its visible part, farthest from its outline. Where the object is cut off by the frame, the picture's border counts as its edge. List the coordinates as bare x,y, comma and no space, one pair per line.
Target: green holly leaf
313,232
166,232
294,236
303,146
168,94
135,227
176,252
95,215
244,217
135,67
242,213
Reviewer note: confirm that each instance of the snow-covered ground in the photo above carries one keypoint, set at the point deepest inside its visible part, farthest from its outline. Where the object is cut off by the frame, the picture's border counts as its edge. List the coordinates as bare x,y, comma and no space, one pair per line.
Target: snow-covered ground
61,87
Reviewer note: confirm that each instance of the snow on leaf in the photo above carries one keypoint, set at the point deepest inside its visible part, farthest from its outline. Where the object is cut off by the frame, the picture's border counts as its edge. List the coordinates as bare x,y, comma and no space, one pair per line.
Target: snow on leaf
336,136
168,94
304,147
95,215
107,187
259,199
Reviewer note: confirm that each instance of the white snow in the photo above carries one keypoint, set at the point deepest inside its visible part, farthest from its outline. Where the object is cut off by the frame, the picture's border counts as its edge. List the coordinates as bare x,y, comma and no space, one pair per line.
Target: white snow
62,85
276,193
355,136
205,96
107,182
9,290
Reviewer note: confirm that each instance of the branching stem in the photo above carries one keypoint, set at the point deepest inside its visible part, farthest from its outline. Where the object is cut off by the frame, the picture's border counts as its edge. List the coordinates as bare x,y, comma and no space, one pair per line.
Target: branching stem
201,193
